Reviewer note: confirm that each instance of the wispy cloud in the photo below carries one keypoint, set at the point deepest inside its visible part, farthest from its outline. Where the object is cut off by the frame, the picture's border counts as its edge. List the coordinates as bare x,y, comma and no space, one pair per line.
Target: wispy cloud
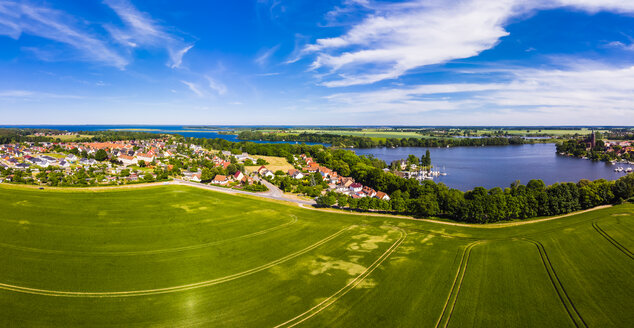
216,86
141,30
398,37
194,88
24,18
263,58
554,96
27,94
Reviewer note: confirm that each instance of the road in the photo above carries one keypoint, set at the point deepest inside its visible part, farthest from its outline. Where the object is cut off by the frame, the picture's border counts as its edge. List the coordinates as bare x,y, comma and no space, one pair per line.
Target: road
273,193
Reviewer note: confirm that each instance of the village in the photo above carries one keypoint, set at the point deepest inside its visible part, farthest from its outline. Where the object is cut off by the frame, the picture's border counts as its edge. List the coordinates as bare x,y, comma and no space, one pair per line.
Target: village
163,159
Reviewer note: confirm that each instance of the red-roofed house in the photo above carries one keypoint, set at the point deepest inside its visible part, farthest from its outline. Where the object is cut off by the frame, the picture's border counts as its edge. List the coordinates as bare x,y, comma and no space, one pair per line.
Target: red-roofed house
220,180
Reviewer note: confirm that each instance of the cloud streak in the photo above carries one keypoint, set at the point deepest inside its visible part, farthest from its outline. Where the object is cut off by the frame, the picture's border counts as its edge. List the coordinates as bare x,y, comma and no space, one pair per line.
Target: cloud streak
554,96
21,18
141,30
397,38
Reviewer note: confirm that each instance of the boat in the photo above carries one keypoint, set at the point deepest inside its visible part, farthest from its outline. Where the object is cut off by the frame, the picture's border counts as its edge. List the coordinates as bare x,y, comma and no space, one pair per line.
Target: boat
628,170
618,169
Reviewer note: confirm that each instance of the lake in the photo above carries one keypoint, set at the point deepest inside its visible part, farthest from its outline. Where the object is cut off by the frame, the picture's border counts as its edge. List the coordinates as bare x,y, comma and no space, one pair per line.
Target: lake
499,166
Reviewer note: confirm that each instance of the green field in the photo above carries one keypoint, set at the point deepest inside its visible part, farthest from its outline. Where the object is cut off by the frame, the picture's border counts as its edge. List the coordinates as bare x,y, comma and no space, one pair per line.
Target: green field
549,132
174,256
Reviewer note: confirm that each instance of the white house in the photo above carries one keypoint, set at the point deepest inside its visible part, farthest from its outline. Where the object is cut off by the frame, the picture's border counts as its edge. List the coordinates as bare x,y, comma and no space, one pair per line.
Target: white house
127,160
238,176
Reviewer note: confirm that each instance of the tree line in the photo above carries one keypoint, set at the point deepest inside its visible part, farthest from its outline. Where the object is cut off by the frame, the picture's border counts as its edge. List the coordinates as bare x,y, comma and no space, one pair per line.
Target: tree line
366,142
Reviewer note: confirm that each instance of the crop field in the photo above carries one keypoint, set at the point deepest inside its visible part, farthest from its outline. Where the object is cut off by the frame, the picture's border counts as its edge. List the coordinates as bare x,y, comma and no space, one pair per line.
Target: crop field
550,132
174,256
275,163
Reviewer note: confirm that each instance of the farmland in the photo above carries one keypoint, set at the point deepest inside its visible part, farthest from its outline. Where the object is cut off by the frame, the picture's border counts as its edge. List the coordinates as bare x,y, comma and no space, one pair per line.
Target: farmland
180,256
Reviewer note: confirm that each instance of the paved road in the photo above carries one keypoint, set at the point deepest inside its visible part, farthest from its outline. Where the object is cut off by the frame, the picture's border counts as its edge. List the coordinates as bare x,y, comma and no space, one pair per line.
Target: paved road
273,192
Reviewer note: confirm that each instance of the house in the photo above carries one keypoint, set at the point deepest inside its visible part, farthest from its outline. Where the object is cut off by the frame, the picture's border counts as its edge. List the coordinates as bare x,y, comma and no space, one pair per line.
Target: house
261,170
220,180
382,196
87,162
369,191
312,167
295,174
243,157
356,187
145,157
127,160
195,177
238,176
325,172
71,158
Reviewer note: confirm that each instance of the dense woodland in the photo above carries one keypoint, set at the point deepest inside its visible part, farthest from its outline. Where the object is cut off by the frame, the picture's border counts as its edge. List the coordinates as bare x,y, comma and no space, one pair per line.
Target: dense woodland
436,199
366,142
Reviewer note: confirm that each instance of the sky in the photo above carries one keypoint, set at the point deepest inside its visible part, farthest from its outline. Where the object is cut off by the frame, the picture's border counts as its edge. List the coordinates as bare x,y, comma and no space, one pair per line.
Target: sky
327,62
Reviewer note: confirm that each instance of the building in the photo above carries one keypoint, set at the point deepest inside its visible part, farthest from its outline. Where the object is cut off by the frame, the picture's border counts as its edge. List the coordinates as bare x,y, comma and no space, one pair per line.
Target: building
295,174
382,196
127,160
220,180
238,176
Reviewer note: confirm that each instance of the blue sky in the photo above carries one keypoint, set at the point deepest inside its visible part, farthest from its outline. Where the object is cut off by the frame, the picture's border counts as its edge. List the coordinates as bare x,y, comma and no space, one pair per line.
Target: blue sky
345,62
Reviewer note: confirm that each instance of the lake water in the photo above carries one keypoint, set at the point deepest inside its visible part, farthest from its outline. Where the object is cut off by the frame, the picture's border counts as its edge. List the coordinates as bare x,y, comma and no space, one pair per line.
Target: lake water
499,166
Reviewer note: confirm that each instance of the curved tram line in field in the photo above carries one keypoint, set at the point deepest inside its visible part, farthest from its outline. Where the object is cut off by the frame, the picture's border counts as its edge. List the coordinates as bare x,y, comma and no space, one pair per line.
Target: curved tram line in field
352,284
173,289
612,240
561,292
447,310
154,251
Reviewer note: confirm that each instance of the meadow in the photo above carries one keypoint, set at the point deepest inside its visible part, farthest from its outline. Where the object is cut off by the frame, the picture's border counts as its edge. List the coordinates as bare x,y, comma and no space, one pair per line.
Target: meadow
176,256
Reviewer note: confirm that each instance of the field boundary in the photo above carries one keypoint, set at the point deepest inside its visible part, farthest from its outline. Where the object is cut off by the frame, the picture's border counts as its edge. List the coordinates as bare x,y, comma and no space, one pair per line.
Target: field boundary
150,252
445,315
352,284
612,241
456,224
216,281
559,288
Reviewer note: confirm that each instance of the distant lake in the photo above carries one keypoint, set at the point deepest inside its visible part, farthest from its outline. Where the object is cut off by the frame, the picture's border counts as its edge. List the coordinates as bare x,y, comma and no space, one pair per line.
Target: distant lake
499,166
185,131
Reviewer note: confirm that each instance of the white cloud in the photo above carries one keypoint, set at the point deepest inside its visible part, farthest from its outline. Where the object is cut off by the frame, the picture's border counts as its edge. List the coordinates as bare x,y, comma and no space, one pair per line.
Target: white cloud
397,38
263,58
141,29
20,18
27,94
619,44
194,88
216,86
176,57
550,97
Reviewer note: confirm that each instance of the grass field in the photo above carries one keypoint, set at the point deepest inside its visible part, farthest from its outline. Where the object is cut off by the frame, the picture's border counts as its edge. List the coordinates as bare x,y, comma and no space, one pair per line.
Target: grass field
550,132
174,256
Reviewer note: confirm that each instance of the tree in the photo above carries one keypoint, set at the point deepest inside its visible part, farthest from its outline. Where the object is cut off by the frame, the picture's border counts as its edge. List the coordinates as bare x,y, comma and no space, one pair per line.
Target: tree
205,175
328,199
261,161
101,155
